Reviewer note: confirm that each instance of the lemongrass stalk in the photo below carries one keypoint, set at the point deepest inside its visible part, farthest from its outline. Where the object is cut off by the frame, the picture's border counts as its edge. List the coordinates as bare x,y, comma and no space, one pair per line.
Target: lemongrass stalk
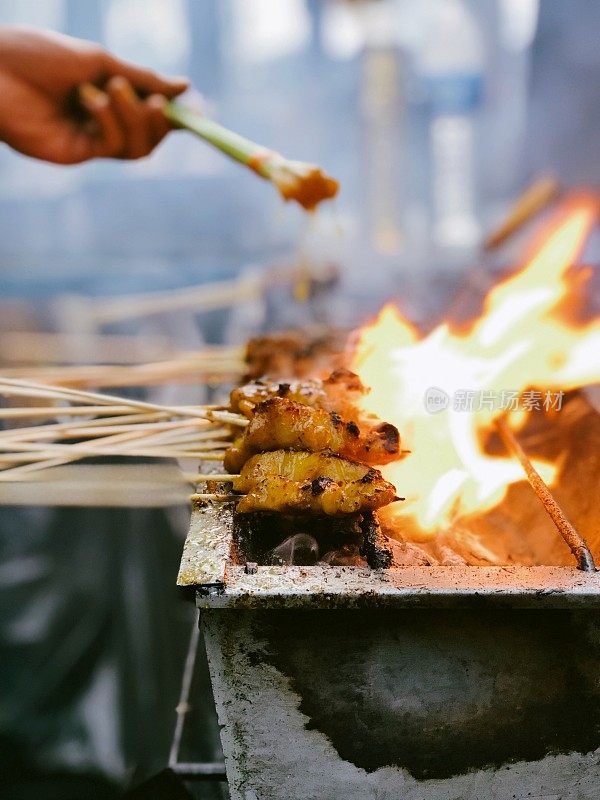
232,144
295,180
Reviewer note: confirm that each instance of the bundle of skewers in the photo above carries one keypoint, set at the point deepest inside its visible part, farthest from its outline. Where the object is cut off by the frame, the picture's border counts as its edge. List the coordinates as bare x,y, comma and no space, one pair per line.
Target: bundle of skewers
292,447
72,425
45,425
212,365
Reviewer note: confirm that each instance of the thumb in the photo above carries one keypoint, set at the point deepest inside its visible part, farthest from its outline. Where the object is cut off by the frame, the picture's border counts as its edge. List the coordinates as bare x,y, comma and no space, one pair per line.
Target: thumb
145,80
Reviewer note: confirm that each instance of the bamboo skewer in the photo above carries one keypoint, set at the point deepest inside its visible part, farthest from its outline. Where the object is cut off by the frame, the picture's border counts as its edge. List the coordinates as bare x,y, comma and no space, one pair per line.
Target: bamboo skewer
218,498
103,447
46,461
122,427
45,412
208,476
70,431
572,537
41,460
189,370
207,297
81,428
13,386
35,347
155,485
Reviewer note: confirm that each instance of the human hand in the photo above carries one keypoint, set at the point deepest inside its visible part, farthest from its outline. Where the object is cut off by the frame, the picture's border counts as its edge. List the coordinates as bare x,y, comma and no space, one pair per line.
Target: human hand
67,100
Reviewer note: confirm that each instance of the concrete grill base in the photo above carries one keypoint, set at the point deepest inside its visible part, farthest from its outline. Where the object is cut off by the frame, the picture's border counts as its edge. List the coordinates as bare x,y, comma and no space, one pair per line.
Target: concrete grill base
418,683
407,704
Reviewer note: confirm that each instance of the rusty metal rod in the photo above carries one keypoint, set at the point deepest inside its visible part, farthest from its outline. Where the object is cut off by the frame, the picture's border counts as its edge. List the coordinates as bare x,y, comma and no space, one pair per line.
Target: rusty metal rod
574,540
537,196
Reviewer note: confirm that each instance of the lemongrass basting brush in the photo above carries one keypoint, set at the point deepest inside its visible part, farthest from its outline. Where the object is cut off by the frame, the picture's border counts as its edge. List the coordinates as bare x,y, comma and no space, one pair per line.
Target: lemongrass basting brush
305,183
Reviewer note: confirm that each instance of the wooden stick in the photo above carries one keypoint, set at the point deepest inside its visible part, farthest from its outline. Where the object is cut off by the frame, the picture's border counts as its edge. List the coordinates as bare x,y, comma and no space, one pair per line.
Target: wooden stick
45,462
572,537
188,370
90,428
222,498
101,447
29,388
130,442
124,485
202,478
220,294
36,347
39,434
17,473
43,412
535,197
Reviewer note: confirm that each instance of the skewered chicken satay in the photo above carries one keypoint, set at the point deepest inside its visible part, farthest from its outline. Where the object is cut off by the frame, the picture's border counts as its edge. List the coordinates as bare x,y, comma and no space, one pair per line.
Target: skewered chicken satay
295,353
244,399
315,483
340,392
280,423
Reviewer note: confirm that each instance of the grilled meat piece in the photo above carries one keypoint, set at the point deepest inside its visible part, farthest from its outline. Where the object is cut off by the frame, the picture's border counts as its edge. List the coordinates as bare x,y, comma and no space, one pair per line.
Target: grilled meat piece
339,392
298,353
280,423
244,399
315,483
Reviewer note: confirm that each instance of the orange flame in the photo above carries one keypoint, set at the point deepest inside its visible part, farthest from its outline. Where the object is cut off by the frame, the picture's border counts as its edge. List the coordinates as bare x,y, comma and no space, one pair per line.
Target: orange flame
426,386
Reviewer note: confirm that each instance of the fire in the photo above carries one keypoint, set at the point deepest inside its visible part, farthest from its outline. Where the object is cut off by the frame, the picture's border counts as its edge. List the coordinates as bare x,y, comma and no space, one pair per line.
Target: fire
444,390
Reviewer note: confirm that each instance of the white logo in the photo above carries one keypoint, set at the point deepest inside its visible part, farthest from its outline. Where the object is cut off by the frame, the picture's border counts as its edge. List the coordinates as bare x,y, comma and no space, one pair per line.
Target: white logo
436,400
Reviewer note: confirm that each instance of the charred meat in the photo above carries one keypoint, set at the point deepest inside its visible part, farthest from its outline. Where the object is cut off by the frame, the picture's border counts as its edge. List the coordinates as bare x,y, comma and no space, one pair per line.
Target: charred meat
279,423
340,392
316,483
298,353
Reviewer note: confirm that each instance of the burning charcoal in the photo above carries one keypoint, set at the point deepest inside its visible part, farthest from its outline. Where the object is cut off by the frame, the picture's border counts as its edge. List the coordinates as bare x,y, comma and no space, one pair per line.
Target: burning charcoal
449,557
347,556
406,554
300,550
375,546
468,546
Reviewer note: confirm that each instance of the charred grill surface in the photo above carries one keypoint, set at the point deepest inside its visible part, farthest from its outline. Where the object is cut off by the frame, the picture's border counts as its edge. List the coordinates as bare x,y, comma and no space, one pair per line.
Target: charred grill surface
282,539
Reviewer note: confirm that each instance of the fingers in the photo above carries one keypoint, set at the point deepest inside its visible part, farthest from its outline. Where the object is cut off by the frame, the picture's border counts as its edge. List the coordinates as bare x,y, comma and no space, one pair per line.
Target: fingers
124,126
159,122
134,115
109,135
145,81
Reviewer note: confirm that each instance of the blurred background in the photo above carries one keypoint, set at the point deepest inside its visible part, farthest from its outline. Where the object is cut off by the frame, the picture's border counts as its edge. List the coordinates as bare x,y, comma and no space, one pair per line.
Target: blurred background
433,114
